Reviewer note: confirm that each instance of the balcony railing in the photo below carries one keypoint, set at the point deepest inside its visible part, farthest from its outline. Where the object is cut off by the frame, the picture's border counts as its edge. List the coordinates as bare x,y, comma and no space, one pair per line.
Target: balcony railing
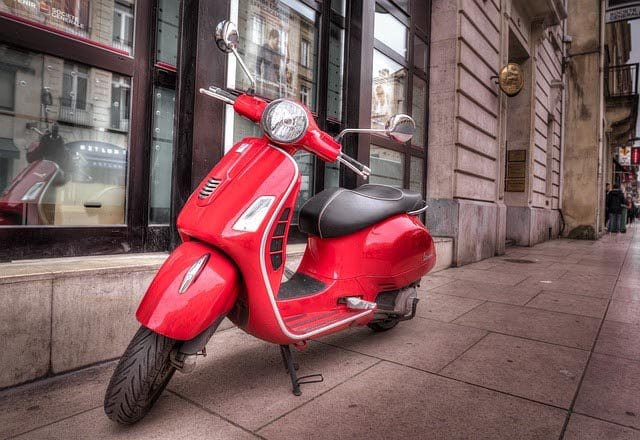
80,112
622,80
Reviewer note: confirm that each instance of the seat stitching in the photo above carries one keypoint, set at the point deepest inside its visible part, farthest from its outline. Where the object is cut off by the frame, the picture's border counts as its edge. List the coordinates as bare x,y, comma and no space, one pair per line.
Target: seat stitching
377,198
324,208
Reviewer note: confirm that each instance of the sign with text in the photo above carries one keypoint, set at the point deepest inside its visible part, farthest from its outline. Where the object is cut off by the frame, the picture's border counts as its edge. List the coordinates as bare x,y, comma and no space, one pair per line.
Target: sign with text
624,156
621,10
64,14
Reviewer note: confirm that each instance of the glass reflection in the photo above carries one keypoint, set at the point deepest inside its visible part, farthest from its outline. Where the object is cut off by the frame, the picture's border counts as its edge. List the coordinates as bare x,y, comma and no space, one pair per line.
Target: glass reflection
387,166
106,22
164,101
279,44
390,31
388,89
63,141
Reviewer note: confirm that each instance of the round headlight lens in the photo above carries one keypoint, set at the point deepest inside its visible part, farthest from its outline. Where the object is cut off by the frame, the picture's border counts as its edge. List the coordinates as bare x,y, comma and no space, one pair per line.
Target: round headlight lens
284,121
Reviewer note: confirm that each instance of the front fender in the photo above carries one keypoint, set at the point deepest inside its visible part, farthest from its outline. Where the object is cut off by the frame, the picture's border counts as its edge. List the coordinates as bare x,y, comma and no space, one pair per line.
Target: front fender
211,295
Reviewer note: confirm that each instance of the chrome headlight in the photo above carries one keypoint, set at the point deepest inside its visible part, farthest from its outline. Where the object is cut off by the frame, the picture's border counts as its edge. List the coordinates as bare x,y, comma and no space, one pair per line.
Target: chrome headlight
284,121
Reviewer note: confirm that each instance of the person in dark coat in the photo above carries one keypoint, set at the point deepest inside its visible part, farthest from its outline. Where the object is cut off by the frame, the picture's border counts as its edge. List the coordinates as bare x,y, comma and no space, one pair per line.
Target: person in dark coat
615,202
269,61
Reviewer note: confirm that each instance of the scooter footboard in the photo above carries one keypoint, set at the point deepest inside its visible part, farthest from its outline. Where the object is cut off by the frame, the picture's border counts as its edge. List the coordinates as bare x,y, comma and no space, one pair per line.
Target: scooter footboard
194,287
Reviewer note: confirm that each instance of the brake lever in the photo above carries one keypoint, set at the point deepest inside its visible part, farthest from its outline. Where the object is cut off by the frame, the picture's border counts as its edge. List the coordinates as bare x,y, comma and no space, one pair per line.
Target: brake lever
364,171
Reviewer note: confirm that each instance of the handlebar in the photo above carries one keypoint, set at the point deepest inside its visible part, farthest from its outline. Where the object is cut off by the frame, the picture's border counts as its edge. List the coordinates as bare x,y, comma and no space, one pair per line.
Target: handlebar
221,94
252,108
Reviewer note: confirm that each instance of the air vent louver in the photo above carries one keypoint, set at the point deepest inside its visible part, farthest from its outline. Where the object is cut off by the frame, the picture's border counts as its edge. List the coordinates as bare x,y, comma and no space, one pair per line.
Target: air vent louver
209,188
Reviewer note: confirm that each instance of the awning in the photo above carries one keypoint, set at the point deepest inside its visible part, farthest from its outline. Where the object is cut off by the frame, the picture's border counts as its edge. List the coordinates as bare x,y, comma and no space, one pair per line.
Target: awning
8,149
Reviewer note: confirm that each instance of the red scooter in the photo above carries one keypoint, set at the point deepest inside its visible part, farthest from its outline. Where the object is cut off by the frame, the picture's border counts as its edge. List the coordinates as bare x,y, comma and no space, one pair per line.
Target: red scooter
366,252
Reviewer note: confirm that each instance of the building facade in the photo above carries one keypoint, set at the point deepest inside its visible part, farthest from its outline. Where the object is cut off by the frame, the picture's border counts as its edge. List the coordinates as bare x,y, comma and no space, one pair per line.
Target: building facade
602,97
107,91
494,162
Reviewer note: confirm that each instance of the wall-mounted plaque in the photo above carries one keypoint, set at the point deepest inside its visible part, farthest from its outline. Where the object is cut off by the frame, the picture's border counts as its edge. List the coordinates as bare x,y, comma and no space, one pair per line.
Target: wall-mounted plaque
511,79
516,155
516,170
515,185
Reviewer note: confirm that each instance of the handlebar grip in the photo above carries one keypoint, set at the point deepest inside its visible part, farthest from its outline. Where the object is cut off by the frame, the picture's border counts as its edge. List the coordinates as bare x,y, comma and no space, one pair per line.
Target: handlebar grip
218,93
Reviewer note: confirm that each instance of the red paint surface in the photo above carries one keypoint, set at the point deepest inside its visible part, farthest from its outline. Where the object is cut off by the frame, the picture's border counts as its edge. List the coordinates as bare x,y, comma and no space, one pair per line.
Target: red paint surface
390,255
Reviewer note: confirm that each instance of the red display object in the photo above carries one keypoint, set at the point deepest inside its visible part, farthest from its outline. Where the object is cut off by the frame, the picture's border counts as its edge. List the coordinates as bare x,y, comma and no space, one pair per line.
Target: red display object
635,156
243,276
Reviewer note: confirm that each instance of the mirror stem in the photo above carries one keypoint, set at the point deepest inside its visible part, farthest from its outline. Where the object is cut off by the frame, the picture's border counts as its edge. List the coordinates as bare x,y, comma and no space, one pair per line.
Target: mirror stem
359,130
252,89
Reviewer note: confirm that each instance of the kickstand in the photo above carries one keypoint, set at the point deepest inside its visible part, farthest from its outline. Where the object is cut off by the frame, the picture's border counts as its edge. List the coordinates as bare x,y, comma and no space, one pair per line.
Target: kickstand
291,367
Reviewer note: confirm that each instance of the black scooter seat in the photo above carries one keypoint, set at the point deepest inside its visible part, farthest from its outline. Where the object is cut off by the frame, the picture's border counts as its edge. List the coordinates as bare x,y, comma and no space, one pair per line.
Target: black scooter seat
335,212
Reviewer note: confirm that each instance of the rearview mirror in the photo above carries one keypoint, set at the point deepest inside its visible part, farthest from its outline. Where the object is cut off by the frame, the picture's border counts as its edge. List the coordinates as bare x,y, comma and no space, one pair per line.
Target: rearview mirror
227,36
400,128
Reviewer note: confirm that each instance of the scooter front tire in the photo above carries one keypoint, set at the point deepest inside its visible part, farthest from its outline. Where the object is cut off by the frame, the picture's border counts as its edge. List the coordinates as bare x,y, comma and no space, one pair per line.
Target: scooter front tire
143,372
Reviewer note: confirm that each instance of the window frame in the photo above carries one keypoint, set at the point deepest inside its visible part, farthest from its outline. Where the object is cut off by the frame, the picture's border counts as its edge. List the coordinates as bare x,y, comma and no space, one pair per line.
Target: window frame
20,242
413,31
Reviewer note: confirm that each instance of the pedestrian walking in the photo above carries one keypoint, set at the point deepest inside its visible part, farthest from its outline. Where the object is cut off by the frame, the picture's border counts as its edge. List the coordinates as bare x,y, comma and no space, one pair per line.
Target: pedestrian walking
615,202
631,210
606,204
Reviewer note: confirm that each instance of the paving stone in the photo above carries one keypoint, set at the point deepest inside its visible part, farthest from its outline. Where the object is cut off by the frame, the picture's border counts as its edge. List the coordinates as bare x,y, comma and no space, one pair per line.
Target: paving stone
509,279
488,291
601,268
34,405
574,287
610,390
432,281
626,293
568,303
419,343
395,402
171,418
624,311
534,370
444,308
557,328
586,428
619,339
595,280
243,378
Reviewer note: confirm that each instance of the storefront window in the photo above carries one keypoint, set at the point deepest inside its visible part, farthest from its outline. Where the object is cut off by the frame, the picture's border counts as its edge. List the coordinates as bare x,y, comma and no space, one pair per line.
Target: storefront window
279,44
63,141
339,6
387,167
416,177
104,22
167,38
419,102
161,155
390,31
388,89
336,69
420,54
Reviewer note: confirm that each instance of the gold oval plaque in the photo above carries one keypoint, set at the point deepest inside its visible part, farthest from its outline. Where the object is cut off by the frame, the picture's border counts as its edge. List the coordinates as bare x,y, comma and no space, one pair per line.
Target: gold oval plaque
511,79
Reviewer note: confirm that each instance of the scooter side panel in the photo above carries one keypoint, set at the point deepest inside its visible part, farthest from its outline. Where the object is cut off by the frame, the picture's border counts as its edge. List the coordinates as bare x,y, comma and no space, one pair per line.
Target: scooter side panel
390,255
212,293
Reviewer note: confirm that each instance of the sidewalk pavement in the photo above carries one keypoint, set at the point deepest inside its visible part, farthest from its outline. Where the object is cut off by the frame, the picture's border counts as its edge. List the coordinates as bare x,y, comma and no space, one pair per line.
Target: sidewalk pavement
541,343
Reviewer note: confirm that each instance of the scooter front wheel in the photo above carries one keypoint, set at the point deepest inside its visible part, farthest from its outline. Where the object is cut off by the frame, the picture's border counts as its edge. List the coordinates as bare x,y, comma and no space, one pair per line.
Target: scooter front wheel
140,377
